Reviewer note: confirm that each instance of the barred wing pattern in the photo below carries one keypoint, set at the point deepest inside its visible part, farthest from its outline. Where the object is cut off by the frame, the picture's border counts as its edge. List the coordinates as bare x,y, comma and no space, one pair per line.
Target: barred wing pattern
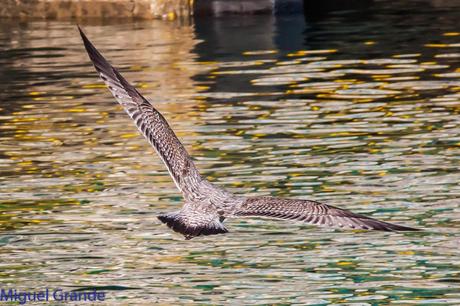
206,205
148,120
312,212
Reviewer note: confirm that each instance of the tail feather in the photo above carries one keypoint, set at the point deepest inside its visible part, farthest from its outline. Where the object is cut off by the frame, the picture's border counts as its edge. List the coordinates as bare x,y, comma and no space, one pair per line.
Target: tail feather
193,225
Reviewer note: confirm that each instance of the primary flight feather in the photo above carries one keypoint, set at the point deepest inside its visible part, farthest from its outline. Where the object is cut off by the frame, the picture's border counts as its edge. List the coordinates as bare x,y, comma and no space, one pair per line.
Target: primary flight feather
206,205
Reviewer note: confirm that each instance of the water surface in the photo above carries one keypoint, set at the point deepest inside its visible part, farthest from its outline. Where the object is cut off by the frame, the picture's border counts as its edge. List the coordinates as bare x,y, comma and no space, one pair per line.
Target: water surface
358,110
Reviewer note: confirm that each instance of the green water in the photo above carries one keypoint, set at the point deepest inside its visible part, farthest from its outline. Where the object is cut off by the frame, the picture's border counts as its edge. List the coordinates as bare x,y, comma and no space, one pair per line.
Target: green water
358,110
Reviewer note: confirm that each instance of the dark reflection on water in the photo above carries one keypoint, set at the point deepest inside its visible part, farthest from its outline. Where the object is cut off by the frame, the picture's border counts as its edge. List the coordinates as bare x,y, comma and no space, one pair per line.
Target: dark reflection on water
360,111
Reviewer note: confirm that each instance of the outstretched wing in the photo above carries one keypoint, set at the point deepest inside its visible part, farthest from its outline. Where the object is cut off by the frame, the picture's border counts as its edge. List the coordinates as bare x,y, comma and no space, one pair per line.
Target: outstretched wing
147,119
313,213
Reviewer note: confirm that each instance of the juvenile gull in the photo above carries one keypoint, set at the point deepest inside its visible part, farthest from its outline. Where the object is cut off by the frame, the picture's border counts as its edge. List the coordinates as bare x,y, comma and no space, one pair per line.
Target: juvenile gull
206,206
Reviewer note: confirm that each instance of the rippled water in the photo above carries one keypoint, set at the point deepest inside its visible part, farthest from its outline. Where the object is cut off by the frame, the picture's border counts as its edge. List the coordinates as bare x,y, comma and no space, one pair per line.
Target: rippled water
359,110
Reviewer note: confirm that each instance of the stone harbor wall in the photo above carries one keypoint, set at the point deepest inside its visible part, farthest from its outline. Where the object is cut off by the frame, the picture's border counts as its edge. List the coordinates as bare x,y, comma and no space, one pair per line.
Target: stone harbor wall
166,9
226,7
140,9
68,9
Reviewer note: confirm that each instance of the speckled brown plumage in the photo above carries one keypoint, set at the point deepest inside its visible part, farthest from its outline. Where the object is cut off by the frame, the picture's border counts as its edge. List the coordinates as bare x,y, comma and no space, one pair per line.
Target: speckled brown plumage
312,212
148,120
206,205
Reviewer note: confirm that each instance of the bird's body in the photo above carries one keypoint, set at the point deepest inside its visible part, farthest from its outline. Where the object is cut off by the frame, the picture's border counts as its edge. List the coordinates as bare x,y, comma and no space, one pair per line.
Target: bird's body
206,205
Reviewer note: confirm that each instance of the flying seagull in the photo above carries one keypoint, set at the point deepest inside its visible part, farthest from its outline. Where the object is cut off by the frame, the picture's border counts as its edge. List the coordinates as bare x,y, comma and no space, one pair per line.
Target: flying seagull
206,206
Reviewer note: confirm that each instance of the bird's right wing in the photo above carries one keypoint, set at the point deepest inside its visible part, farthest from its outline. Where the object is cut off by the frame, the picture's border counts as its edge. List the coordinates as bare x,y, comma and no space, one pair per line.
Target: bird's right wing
147,119
314,213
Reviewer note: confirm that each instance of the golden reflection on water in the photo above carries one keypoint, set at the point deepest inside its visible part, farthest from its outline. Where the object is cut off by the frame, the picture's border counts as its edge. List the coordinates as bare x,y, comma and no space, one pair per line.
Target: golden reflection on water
80,190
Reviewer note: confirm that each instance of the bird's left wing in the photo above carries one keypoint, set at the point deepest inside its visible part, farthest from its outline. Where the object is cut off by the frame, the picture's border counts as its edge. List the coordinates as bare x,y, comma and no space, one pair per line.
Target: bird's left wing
148,120
313,213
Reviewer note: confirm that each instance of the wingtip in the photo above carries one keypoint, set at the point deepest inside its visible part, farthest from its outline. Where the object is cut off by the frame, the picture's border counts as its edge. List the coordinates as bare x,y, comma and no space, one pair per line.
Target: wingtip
94,55
85,39
399,228
82,34
407,229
